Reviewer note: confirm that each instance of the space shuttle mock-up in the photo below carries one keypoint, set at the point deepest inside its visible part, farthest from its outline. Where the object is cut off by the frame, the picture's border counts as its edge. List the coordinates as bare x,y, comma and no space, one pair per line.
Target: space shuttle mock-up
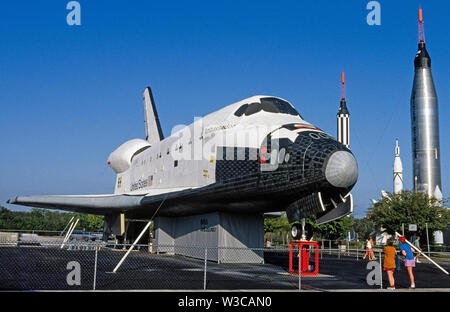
254,156
425,124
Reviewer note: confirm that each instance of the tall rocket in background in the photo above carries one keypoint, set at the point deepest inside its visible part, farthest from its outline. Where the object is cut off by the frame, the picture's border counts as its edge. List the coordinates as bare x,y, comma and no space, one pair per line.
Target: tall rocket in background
398,170
425,124
343,118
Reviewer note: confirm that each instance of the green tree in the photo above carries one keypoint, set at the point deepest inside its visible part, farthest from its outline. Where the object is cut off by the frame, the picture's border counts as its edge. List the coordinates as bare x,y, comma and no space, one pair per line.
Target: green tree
333,230
43,219
410,208
90,222
364,227
277,225
277,229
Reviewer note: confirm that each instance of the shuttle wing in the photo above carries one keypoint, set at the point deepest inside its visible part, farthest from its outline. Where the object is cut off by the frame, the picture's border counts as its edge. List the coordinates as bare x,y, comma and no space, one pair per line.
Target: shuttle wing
103,204
93,204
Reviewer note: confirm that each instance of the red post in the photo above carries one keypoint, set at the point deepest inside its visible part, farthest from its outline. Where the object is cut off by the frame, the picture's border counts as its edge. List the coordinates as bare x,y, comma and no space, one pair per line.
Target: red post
305,260
305,249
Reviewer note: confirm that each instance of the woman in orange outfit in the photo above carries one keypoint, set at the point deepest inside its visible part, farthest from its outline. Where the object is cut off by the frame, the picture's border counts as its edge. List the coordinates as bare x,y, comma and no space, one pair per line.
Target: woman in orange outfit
389,262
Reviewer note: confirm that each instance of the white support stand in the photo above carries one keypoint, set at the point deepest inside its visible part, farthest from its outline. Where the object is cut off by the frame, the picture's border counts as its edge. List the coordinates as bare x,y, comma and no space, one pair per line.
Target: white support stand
69,232
132,246
139,237
68,223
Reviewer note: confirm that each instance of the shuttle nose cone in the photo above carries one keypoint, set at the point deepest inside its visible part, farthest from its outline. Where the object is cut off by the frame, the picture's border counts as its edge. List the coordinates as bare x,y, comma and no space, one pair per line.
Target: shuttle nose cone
341,169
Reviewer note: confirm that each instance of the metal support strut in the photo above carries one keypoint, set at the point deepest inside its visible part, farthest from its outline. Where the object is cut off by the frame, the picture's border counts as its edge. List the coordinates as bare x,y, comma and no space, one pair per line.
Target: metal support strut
139,237
303,229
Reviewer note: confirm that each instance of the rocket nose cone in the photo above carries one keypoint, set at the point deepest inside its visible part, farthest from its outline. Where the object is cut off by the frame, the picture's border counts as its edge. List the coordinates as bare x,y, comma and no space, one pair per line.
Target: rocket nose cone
341,169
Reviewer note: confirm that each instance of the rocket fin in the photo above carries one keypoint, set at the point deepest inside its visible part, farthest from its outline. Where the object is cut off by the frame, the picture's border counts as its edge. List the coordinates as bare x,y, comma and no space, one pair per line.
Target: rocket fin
437,193
153,130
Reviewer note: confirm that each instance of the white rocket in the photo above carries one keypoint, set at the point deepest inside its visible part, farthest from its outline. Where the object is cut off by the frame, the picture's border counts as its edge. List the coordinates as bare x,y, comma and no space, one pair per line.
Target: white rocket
398,174
398,170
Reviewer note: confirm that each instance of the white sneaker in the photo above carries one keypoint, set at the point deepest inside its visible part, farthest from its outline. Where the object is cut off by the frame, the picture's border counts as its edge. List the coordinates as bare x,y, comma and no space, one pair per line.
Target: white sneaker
418,261
413,286
391,288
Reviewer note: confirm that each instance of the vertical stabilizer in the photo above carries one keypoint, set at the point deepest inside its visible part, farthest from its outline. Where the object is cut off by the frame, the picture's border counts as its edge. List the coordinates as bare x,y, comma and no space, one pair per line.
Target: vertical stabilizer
153,130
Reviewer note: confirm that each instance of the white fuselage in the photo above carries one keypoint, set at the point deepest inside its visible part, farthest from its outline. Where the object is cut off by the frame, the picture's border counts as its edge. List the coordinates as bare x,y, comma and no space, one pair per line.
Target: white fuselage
186,159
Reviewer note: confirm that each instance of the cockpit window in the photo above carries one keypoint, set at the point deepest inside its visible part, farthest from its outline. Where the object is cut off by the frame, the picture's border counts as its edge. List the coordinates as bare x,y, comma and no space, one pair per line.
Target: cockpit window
252,109
277,106
270,105
241,110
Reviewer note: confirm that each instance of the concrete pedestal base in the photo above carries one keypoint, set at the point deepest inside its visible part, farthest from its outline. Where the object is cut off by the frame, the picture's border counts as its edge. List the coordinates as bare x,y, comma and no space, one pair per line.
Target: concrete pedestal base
229,238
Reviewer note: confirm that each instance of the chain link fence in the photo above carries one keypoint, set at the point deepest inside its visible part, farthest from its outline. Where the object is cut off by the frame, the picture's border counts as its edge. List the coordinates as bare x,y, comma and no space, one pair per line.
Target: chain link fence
93,265
280,240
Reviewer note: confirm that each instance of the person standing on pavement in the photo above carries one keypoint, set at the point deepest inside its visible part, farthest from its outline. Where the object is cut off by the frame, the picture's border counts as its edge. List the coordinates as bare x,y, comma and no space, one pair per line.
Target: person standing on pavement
389,262
417,245
410,263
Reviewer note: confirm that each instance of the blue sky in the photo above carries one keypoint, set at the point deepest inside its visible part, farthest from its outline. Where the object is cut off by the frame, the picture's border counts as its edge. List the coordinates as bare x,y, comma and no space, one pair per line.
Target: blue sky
70,95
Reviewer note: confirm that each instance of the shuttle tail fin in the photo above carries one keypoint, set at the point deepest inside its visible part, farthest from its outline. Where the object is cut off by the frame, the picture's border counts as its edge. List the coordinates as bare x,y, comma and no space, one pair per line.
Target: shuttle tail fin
152,126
